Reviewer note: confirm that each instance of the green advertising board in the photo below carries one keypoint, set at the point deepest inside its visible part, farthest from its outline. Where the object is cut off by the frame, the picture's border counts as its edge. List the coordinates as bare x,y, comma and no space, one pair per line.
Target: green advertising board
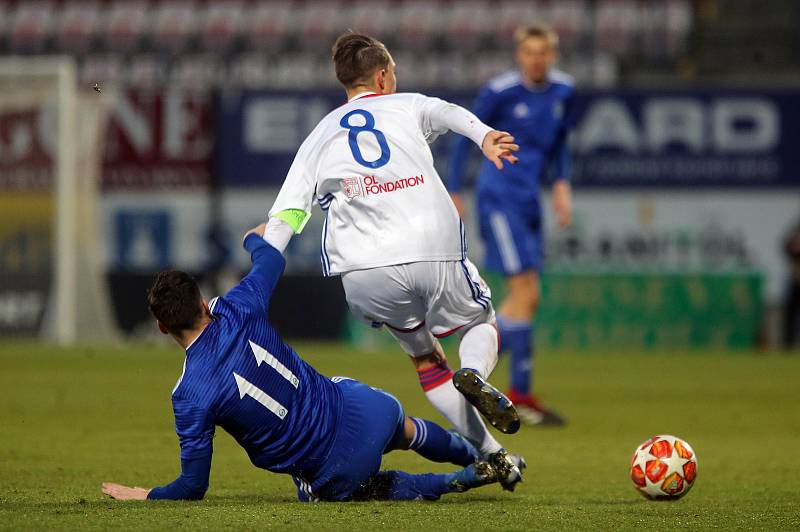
633,310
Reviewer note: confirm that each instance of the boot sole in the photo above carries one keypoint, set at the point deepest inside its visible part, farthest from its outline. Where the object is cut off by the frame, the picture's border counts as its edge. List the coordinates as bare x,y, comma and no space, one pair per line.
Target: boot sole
498,410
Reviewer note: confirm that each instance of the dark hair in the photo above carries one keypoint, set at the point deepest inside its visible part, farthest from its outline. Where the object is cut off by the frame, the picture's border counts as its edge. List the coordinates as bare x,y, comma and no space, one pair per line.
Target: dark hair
356,56
174,299
539,31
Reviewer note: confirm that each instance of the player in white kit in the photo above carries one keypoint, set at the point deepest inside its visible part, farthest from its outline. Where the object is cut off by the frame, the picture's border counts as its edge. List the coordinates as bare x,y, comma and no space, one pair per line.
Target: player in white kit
393,234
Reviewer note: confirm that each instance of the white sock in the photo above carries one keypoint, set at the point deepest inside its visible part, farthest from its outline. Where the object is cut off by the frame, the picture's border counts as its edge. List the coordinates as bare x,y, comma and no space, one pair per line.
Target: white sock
478,349
462,415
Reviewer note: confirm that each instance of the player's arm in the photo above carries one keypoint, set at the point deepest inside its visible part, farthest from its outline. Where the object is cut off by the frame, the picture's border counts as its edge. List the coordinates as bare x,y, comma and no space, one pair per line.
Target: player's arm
437,116
287,217
190,485
484,109
292,208
560,169
255,290
196,433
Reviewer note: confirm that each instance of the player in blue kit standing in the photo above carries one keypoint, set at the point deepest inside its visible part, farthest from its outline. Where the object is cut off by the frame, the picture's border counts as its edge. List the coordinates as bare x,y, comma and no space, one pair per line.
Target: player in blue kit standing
534,104
329,434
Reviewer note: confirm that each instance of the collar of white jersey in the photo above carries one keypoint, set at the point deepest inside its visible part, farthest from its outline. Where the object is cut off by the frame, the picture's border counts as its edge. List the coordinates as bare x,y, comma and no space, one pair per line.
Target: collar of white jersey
363,95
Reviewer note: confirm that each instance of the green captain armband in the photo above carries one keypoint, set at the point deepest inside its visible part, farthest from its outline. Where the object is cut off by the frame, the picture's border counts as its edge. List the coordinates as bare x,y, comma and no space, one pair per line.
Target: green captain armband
296,218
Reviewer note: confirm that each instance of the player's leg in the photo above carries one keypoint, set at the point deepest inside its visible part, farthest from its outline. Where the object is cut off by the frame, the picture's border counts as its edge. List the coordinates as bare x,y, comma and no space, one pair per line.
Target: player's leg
462,305
436,379
434,443
385,296
402,486
459,302
514,248
372,424
366,427
515,323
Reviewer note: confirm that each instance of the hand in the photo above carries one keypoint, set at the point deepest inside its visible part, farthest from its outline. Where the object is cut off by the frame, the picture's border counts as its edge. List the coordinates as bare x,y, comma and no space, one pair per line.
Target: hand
257,230
498,146
562,203
459,203
124,493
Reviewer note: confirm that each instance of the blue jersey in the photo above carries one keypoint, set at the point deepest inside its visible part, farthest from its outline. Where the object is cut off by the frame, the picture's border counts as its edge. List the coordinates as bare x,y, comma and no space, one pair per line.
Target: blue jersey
539,118
241,376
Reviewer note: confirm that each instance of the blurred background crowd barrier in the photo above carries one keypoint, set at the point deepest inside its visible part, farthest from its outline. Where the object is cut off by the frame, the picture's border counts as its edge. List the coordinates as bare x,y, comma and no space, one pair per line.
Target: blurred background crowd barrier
686,160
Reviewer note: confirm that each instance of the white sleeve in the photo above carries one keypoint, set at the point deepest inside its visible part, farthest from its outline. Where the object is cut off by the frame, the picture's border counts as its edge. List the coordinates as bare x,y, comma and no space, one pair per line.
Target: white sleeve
297,191
437,117
278,233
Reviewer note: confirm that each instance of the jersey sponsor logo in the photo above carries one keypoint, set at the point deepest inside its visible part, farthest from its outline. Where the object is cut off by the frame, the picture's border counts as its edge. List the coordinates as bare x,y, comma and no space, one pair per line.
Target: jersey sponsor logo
370,185
521,110
351,187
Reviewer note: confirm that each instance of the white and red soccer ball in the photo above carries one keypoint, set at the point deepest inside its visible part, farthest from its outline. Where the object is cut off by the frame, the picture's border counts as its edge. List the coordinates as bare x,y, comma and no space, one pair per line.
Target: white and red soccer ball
664,467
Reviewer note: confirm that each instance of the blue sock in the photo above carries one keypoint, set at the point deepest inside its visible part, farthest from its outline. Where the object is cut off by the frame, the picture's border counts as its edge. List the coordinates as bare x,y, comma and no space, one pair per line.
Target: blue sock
402,486
438,445
517,337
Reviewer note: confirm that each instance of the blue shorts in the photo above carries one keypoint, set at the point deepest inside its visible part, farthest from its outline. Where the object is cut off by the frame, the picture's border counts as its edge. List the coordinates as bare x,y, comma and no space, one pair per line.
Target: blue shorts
371,420
513,237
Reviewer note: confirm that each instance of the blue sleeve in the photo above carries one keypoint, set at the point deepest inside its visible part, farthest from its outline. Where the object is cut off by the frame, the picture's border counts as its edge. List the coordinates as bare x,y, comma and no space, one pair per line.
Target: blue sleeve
484,108
561,158
190,485
195,429
256,288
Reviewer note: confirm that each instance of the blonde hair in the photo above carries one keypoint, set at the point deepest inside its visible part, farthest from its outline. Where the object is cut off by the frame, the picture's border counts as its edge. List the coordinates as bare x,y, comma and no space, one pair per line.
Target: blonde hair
538,31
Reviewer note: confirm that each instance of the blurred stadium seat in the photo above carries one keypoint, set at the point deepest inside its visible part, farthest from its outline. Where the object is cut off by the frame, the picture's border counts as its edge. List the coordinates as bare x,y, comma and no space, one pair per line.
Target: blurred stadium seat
230,34
222,25
174,25
467,24
319,22
374,18
104,67
197,70
571,19
418,23
31,26
617,25
78,25
269,25
125,25
146,71
510,13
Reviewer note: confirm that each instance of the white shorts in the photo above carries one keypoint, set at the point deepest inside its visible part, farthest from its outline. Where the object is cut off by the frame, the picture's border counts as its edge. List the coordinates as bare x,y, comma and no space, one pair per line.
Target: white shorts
420,301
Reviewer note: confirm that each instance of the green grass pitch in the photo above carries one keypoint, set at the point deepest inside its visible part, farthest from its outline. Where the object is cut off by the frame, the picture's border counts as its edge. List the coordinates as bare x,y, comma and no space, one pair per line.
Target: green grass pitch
70,419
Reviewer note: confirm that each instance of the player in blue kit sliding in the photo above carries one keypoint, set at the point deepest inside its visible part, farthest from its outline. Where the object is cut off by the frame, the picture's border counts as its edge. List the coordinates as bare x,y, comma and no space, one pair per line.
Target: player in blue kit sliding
534,105
329,434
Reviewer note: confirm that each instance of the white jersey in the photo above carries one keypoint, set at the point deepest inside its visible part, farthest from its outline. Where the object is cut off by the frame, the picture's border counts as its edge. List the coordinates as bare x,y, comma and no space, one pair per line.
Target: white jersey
369,167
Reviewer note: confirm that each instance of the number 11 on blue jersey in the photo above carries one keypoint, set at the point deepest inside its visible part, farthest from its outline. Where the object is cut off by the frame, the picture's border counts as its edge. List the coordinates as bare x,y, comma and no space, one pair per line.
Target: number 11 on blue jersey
248,388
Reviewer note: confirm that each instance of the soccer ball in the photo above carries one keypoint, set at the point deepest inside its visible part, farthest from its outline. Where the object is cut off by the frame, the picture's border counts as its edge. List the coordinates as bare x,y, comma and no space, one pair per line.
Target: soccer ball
664,468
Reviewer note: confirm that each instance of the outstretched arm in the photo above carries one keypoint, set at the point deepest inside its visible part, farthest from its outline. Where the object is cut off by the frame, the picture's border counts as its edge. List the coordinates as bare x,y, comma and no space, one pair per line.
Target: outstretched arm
195,429
190,485
438,116
255,290
292,208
